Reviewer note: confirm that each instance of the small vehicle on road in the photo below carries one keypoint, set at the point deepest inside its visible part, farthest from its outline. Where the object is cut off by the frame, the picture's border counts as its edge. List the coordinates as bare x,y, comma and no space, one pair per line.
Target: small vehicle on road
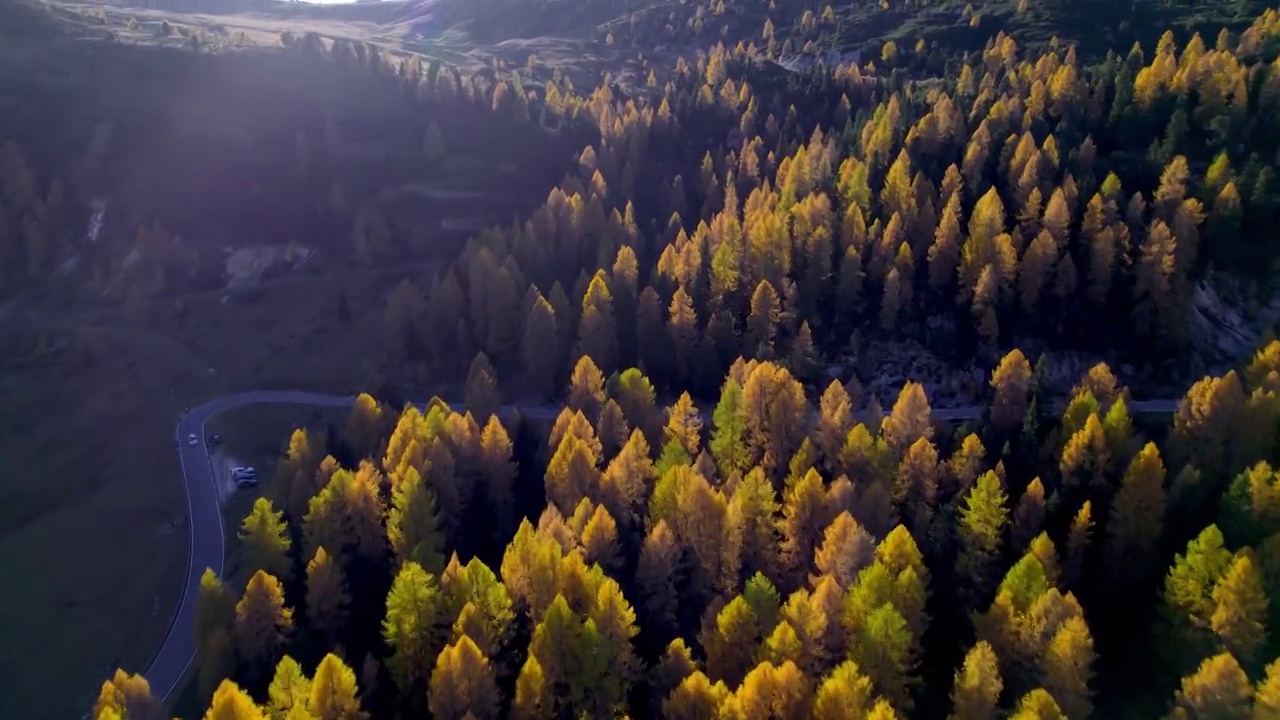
191,439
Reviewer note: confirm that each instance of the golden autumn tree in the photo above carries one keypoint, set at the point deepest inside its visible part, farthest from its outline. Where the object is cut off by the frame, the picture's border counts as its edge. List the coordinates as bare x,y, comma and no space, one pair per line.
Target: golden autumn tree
675,665
803,634
612,429
763,321
695,698
598,328
264,541
803,518
1240,616
482,398
884,616
571,473
1038,705
944,253
775,410
215,617
1188,604
1219,688
975,694
626,480
915,487
262,624
1043,549
126,697
600,541
966,463
532,699
835,420
611,625
365,426
655,576
561,643
698,515
1035,271
1086,458
1266,702
1078,538
1028,516
481,603
893,299
846,549
413,627
770,691
231,703
730,426
462,684
296,474
1067,668
586,387
986,223
327,596
684,425
845,693
334,692
682,326
497,473
1011,383
882,646
983,518
753,512
413,523
346,516
1137,516
910,420
289,690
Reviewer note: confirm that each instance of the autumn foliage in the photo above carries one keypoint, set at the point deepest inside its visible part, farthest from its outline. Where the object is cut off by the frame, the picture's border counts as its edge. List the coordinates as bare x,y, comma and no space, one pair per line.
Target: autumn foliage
695,520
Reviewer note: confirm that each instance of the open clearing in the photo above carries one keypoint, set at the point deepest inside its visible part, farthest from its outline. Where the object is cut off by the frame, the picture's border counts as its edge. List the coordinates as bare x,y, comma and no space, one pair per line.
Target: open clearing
257,435
92,511
399,27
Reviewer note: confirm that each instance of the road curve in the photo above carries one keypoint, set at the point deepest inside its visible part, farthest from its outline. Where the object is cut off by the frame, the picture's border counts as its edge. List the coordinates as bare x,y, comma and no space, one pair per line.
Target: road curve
206,540
206,544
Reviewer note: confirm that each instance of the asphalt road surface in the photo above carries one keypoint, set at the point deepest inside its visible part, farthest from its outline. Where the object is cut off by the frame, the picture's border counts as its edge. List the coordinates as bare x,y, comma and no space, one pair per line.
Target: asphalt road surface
206,548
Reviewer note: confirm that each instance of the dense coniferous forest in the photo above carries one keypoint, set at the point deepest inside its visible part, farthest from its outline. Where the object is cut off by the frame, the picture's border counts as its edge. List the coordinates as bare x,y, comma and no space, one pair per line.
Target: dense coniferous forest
776,560
714,527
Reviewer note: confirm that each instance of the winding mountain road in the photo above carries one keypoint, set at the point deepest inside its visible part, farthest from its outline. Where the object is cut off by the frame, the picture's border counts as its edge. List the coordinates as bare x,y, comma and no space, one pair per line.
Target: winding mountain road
206,548
207,540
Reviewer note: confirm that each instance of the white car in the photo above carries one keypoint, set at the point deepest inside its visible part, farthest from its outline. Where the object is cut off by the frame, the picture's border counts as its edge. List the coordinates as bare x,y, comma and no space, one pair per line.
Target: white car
191,439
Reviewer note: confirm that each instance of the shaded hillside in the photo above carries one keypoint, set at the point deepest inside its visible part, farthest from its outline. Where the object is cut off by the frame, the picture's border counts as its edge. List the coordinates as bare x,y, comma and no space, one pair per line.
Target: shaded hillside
261,146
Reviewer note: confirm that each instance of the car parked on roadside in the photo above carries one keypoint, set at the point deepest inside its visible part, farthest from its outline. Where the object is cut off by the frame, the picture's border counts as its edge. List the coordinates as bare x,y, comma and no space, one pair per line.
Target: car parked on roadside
215,439
246,482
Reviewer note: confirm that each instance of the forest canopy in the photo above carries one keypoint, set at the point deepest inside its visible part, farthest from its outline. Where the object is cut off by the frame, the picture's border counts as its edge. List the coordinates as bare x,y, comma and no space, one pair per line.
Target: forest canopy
712,526
784,559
